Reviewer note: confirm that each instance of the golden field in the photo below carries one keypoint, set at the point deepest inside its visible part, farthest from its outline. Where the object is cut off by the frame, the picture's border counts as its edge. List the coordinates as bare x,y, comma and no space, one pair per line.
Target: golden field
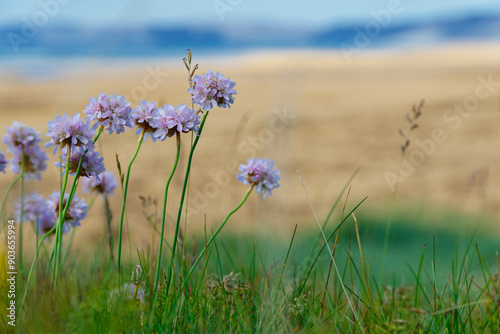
312,112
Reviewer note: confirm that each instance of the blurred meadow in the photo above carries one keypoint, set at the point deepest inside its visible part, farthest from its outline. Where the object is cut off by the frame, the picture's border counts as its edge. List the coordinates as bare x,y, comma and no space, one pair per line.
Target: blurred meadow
311,112
319,93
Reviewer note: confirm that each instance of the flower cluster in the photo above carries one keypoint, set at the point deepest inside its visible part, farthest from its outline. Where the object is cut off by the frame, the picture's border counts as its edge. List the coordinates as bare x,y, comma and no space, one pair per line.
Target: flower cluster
65,132
44,212
20,137
35,161
92,163
144,117
260,173
37,209
23,141
212,90
77,209
110,111
105,184
175,119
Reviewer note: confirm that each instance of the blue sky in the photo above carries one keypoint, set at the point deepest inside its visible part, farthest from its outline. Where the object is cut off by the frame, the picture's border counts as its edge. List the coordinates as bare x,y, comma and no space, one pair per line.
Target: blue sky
228,13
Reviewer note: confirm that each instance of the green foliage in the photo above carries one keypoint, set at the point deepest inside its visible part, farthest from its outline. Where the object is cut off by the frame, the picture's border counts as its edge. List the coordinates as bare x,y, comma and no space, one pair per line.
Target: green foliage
258,284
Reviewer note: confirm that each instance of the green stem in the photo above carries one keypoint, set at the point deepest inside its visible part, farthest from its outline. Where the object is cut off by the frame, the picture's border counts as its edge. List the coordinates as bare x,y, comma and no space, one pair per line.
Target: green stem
21,215
141,137
164,214
212,238
60,220
57,251
65,211
33,263
68,247
109,216
183,194
9,188
162,233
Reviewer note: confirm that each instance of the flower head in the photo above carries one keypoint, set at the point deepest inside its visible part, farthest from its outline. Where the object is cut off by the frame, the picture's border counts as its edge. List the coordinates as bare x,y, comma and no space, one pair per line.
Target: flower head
48,220
106,185
144,117
20,137
92,164
35,161
175,119
260,173
65,131
212,90
3,162
110,111
77,209
37,209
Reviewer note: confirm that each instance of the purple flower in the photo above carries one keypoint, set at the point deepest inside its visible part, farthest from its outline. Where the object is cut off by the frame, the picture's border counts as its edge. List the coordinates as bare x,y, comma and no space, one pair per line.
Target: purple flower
22,141
35,161
37,209
65,131
20,137
175,119
144,117
260,174
92,164
212,90
77,208
106,185
3,162
48,220
110,111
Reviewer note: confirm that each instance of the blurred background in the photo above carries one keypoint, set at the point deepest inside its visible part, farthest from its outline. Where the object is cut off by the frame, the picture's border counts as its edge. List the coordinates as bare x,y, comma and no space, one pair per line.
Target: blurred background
323,88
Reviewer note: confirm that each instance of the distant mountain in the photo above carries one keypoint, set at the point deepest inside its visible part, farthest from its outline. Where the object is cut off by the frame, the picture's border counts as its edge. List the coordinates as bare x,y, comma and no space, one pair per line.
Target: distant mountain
69,40
474,27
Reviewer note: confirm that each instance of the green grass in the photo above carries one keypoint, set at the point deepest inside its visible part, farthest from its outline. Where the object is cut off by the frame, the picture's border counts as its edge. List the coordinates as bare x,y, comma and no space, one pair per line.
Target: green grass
434,281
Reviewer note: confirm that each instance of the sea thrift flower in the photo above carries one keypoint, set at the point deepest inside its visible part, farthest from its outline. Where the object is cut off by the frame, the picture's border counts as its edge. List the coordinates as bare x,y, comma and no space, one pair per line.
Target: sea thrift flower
20,137
260,173
175,119
35,161
144,117
106,185
110,111
37,209
22,141
77,209
3,162
92,164
212,90
65,131
46,222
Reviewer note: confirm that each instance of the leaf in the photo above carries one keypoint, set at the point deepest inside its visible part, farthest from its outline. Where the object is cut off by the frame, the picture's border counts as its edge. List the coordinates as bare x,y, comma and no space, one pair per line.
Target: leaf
119,166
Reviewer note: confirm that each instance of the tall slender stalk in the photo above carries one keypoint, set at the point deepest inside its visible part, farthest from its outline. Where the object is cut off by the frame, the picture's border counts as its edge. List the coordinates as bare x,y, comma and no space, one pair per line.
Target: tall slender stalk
28,280
9,188
21,215
162,233
109,216
125,189
64,212
164,213
60,220
183,194
212,238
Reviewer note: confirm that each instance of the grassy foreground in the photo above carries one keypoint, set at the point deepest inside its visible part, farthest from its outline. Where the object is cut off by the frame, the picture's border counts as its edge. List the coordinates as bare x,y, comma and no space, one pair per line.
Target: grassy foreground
427,282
